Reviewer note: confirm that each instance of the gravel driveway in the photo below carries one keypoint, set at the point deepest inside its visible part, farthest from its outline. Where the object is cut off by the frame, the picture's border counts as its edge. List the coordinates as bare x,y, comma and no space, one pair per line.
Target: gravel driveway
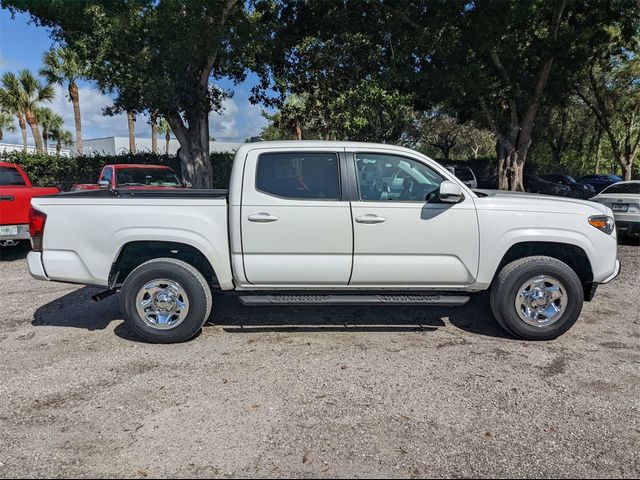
315,392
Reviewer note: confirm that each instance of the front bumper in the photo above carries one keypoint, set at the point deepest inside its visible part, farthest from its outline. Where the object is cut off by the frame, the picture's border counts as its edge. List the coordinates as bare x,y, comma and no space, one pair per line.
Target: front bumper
615,273
36,269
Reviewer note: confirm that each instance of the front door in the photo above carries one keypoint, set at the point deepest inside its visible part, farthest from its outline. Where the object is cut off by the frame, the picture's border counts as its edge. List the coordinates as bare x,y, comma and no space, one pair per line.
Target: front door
296,228
403,234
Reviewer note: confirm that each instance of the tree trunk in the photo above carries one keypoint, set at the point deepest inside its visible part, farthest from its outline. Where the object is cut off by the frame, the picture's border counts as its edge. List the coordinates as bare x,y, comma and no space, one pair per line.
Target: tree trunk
32,120
23,128
74,95
58,148
298,132
154,132
45,137
510,165
626,165
194,148
167,138
1,135
132,132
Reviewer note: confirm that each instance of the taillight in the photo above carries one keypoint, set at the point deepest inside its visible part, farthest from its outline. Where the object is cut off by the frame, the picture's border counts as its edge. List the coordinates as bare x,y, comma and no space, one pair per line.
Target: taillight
37,220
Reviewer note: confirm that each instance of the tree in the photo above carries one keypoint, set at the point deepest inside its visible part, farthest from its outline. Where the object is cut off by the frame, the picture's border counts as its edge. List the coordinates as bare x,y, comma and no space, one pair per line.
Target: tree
131,124
494,62
10,102
441,132
6,123
50,122
164,127
61,136
153,120
62,65
161,56
612,93
25,92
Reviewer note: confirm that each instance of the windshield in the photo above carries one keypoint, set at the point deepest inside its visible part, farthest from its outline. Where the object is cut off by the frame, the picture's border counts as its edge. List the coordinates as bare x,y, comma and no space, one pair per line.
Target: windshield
10,177
633,187
151,177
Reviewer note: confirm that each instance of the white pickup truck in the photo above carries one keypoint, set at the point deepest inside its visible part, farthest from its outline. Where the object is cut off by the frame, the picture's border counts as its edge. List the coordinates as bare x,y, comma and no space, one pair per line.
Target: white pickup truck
309,222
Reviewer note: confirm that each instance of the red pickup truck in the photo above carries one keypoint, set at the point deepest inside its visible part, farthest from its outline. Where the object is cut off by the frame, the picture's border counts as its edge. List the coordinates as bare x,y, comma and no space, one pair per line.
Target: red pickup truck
127,176
16,193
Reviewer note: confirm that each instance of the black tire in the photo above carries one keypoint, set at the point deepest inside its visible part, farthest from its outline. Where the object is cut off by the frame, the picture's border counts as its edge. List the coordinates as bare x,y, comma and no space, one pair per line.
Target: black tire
189,279
509,280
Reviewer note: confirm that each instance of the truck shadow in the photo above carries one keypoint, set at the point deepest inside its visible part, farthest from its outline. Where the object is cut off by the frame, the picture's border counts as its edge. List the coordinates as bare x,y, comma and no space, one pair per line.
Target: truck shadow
233,317
77,310
19,252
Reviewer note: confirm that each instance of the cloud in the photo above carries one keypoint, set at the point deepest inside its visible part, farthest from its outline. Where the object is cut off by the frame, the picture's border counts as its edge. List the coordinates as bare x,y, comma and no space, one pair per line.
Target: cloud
238,121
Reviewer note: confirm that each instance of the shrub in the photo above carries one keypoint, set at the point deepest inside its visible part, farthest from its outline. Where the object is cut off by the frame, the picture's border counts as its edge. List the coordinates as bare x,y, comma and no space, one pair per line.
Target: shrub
63,172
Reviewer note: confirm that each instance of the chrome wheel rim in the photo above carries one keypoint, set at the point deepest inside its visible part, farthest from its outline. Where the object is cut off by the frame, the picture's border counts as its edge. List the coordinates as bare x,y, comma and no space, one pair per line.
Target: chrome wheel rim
162,304
541,301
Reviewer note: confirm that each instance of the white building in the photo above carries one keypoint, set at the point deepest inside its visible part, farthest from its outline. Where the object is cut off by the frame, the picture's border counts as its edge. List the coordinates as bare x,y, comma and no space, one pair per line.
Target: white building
120,145
15,147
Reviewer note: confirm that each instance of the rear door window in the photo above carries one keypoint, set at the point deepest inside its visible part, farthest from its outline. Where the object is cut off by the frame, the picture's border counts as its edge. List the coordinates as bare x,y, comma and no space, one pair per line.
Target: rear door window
10,177
305,175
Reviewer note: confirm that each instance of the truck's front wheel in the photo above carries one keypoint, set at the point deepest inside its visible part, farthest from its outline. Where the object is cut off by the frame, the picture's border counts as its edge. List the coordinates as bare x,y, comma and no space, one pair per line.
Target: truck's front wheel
165,301
537,298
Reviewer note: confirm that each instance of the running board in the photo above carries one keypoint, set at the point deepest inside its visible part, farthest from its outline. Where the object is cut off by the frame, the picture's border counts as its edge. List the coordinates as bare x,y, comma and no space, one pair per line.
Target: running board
436,300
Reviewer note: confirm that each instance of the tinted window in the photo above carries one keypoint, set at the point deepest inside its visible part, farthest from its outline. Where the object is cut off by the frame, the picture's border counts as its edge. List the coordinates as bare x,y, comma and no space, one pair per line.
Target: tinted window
394,178
464,173
623,188
155,177
10,177
299,175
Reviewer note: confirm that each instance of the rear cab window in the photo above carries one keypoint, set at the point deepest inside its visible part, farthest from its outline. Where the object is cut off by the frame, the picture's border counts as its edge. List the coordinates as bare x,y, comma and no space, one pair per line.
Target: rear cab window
10,177
302,176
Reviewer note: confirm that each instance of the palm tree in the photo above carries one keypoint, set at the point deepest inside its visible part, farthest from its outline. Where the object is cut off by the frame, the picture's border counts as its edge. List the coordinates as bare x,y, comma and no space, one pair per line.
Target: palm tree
10,102
63,65
61,136
131,121
154,131
164,127
49,121
24,93
6,123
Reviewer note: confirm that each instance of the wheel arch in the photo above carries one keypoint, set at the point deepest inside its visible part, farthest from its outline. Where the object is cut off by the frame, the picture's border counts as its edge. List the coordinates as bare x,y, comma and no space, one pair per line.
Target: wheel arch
134,253
573,255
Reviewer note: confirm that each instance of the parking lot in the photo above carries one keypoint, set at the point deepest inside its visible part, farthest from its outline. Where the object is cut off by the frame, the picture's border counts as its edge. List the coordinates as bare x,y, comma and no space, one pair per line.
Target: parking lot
315,392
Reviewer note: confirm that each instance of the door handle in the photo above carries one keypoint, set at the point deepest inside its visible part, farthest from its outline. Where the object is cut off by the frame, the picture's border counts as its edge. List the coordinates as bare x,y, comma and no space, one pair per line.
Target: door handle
262,217
370,218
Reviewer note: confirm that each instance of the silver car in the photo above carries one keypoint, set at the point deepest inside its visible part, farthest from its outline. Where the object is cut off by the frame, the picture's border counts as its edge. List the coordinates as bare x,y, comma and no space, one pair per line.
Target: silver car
624,199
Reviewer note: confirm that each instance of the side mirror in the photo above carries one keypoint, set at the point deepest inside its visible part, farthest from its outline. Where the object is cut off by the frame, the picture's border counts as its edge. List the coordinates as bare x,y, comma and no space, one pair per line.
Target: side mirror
450,192
103,184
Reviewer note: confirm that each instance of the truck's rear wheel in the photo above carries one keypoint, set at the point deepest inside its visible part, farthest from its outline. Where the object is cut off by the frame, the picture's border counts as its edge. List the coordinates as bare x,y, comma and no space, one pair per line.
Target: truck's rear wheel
165,301
537,298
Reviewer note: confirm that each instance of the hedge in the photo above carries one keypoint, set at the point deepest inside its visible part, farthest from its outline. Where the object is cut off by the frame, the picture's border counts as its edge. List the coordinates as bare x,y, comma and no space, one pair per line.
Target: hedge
63,172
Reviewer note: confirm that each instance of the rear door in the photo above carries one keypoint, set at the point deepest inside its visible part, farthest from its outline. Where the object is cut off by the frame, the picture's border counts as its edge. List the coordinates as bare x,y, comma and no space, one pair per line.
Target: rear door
403,234
296,227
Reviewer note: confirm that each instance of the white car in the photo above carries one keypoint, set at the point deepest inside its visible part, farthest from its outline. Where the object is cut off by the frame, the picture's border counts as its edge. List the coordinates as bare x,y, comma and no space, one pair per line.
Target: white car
310,222
624,200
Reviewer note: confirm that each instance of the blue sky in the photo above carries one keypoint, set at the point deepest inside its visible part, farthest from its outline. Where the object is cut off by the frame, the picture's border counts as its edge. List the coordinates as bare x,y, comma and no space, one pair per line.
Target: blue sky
22,45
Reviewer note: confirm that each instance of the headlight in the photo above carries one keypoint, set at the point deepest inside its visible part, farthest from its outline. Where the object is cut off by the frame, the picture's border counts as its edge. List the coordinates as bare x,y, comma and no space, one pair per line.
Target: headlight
603,223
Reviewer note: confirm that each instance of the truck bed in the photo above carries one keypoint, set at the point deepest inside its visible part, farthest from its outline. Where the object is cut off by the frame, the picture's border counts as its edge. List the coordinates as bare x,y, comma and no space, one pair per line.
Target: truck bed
186,193
86,230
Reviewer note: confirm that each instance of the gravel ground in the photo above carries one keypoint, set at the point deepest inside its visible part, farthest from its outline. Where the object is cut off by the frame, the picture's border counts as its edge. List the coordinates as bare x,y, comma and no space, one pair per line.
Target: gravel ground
315,392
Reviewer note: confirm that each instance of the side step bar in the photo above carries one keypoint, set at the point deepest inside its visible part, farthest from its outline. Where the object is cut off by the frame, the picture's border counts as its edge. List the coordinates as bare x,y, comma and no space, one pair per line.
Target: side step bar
436,300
